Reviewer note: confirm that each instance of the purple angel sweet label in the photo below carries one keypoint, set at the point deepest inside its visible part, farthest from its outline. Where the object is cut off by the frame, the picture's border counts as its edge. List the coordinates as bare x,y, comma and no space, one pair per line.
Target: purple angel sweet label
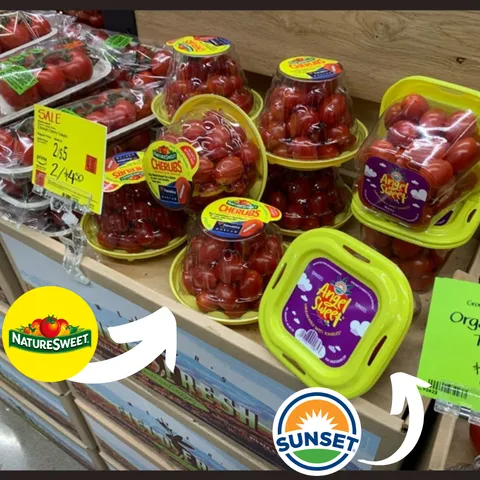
397,191
329,311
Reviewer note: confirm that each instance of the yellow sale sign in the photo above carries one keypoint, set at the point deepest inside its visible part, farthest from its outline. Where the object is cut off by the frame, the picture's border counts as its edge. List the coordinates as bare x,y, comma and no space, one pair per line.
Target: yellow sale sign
69,156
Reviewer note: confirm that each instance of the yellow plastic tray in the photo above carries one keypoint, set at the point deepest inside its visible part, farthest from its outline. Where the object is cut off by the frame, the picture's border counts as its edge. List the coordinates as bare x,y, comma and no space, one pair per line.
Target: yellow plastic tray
160,112
90,228
189,300
308,165
391,321
340,220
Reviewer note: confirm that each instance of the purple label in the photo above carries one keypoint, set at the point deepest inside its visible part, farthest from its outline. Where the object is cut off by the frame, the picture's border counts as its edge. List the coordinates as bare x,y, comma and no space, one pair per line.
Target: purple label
445,219
397,191
329,311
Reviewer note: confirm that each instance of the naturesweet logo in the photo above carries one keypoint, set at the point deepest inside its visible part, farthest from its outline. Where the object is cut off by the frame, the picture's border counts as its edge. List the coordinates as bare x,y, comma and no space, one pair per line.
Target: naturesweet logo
50,335
316,431
165,153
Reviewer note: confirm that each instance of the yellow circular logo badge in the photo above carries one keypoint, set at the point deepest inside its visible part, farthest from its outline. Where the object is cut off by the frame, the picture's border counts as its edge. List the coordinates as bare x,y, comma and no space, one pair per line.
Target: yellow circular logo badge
50,334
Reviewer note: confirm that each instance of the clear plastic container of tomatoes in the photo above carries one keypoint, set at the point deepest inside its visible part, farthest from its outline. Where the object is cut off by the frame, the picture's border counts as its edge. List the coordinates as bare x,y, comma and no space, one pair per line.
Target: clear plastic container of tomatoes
133,225
47,73
201,65
418,161
211,150
307,200
232,252
19,194
135,141
420,254
19,29
308,120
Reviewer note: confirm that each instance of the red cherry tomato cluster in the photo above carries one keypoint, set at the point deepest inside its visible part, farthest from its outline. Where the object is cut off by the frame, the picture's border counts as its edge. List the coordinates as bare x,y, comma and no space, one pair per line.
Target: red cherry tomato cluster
19,28
439,145
133,221
230,276
220,75
93,18
54,71
115,108
475,436
307,120
229,161
21,190
16,145
420,265
306,200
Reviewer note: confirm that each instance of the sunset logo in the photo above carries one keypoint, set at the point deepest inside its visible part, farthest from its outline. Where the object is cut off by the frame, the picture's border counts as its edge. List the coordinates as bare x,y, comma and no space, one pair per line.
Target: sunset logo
316,431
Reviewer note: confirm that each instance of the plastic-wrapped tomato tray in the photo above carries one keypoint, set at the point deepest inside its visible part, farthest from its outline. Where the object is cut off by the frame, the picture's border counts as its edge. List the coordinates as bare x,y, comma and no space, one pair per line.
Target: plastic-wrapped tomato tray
224,277
203,65
93,18
46,75
16,150
19,30
227,146
19,194
307,200
133,225
418,161
308,120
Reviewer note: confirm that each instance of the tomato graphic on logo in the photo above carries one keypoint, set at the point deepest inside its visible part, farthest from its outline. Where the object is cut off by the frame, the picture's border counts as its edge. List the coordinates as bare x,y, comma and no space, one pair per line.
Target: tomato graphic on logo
50,327
64,327
163,150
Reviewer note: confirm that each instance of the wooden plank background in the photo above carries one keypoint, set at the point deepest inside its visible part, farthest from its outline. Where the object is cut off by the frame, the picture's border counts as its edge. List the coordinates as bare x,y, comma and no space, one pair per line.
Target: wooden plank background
377,48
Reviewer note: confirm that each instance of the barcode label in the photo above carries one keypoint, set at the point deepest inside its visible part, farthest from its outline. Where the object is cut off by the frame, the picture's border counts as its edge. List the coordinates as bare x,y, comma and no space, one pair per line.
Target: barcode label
311,340
447,388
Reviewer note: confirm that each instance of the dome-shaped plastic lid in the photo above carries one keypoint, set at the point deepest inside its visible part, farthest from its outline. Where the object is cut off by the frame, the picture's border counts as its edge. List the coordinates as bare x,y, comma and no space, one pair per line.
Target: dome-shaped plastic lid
312,69
335,311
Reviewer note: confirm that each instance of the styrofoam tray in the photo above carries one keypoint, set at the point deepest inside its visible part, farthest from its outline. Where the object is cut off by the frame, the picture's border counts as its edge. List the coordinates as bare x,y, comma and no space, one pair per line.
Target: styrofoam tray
32,43
101,69
133,126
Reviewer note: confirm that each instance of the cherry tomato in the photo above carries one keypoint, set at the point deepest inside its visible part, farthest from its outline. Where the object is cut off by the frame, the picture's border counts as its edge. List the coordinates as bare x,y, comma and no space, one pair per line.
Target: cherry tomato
405,250
332,108
143,233
301,120
328,220
303,149
414,106
394,114
113,222
278,200
107,240
243,98
282,151
161,63
204,173
317,204
376,239
290,97
460,124
230,267
227,296
422,284
339,134
129,243
161,238
439,258
310,222
237,310
402,133
204,278
220,85
143,78
299,190
462,154
228,170
139,141
380,149
322,181
7,142
421,150
251,286
137,211
433,121
193,130
274,135
293,216
437,172
205,302
264,263
273,246
249,155
475,436
187,280
211,251
327,151
416,267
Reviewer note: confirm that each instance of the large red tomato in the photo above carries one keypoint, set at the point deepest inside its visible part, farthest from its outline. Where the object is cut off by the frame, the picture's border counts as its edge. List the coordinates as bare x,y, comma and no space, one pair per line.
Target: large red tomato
50,327
51,81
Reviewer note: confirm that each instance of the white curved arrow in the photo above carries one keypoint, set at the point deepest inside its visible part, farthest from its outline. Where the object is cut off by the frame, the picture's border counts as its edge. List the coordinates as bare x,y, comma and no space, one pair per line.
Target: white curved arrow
405,387
156,333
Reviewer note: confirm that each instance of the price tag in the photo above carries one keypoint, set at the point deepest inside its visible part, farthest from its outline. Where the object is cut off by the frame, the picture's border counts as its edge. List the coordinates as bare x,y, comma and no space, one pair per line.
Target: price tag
69,156
450,359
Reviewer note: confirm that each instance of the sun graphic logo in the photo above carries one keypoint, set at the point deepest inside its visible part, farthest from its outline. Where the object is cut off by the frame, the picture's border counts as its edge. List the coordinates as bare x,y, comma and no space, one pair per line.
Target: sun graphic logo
316,431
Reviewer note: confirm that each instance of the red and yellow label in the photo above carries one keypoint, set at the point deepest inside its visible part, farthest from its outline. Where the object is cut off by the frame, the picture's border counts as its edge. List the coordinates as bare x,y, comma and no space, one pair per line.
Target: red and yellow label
123,169
201,46
310,68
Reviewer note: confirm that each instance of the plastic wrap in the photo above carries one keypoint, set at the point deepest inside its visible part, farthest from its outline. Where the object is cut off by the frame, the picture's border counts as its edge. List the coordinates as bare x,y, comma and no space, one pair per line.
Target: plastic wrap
93,18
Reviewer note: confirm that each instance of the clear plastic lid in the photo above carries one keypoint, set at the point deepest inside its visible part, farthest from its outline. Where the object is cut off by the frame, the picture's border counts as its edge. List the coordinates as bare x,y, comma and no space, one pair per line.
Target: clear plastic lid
308,113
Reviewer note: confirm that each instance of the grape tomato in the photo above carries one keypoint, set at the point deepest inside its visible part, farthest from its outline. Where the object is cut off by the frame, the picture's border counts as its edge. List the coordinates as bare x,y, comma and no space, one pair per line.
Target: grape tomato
413,164
308,113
